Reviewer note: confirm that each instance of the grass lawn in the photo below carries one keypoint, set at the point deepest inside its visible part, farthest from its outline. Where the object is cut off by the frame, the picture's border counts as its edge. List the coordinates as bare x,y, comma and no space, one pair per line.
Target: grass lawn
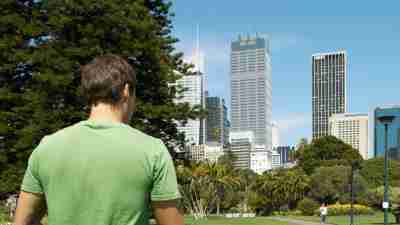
214,221
236,221
376,219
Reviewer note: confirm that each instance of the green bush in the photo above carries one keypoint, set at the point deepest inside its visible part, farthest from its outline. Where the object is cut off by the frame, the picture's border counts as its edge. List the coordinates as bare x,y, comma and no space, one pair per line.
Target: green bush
340,210
307,206
373,197
3,214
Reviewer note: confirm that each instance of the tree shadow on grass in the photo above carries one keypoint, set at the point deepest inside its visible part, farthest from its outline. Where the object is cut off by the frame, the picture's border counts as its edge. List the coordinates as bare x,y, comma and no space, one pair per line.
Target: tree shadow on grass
383,223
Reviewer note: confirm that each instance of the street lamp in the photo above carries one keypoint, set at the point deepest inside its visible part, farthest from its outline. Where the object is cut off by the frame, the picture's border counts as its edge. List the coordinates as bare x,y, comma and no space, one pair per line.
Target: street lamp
386,121
353,168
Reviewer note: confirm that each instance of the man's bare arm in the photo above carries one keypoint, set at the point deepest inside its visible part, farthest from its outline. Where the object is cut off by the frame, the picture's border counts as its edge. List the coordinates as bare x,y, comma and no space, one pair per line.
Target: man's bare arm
31,209
167,213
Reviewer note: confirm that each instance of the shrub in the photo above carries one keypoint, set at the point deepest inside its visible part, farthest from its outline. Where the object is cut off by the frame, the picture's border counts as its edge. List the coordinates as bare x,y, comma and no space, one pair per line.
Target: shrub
373,197
3,214
340,210
307,206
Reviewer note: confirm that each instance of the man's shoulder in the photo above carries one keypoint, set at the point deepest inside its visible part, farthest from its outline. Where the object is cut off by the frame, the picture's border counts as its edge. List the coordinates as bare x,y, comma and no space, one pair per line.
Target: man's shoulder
127,133
142,137
60,134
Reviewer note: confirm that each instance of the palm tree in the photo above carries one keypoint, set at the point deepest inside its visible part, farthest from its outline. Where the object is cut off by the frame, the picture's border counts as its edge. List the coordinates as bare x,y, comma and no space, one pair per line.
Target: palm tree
223,180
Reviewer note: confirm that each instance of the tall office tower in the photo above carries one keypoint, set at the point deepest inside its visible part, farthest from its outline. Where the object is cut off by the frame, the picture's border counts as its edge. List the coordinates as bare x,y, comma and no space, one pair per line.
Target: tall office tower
393,132
241,145
217,120
193,95
194,130
251,91
329,80
351,129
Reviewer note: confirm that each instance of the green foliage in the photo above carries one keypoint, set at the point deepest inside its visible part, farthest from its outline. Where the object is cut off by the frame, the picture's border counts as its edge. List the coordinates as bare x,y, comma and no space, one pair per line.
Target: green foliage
41,49
360,190
340,210
374,196
307,206
373,172
332,184
204,186
3,213
326,151
279,188
227,159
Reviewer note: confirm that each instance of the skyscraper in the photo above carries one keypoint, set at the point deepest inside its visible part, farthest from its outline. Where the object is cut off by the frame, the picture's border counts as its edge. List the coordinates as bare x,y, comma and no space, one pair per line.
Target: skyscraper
217,120
193,95
251,91
351,129
393,131
329,80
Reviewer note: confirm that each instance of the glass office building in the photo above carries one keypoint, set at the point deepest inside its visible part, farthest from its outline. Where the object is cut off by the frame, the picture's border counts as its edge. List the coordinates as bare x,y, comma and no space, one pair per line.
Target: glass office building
217,120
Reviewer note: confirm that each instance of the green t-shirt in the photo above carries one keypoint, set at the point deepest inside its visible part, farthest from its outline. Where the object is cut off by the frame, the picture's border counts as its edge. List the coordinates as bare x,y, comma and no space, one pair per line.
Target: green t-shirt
100,173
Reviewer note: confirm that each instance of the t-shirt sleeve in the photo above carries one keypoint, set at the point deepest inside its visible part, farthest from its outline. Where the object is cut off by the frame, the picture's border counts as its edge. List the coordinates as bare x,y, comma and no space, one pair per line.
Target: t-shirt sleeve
165,185
31,182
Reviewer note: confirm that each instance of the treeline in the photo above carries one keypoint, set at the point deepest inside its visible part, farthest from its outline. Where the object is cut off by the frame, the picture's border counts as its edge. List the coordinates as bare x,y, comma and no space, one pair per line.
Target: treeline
322,175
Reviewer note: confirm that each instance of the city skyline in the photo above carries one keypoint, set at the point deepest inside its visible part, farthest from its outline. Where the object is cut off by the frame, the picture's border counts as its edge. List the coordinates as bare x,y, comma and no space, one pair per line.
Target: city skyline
295,36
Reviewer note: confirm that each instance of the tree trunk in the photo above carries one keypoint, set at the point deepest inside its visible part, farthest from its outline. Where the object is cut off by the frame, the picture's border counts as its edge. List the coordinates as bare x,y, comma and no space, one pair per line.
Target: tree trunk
397,218
218,205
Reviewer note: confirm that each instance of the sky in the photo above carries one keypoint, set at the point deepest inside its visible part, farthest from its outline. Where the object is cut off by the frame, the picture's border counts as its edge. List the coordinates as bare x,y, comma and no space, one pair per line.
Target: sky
368,30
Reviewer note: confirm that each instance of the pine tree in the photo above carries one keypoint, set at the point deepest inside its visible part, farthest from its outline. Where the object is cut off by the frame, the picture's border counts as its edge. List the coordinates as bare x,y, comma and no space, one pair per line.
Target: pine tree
44,43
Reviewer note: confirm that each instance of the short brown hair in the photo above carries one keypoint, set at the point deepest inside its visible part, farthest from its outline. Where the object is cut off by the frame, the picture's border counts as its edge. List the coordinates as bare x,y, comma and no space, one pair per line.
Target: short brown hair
104,79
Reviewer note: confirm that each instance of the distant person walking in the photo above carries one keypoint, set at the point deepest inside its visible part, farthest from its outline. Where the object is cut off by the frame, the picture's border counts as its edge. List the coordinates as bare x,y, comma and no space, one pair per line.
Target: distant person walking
101,171
11,204
323,210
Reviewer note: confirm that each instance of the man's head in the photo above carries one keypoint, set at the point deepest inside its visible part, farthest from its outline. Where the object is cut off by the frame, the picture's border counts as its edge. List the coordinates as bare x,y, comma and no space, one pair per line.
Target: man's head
110,80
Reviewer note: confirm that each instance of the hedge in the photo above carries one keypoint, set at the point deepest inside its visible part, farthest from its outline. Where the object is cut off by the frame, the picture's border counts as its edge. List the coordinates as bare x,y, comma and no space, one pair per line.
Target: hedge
339,210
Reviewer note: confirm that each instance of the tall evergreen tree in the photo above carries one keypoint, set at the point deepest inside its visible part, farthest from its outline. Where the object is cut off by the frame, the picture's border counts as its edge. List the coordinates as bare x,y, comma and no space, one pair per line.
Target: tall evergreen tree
44,43
327,151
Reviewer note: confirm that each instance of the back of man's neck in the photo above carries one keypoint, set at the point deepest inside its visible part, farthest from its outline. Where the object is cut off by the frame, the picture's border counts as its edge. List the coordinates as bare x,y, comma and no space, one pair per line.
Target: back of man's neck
105,112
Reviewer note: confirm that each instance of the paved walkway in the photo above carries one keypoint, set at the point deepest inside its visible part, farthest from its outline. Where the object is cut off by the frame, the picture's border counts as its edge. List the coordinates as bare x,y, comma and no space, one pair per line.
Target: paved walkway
294,221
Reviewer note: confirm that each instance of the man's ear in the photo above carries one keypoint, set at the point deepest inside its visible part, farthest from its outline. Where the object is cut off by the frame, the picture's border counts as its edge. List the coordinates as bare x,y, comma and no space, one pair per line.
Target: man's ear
125,93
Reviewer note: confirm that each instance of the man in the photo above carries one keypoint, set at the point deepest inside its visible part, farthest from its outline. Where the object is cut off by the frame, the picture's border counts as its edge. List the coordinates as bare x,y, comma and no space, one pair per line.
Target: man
101,171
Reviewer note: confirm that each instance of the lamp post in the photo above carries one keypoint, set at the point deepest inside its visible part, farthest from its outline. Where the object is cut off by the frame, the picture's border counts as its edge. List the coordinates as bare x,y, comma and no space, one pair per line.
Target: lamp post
352,194
386,121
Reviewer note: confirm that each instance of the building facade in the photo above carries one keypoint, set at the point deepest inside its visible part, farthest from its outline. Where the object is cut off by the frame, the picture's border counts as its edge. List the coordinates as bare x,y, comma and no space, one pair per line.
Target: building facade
260,160
204,152
351,129
286,154
194,130
241,145
217,120
329,80
251,88
275,135
275,160
393,131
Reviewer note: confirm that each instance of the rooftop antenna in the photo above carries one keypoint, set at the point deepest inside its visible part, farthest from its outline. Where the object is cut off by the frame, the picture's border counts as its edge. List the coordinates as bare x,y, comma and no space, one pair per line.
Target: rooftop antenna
198,48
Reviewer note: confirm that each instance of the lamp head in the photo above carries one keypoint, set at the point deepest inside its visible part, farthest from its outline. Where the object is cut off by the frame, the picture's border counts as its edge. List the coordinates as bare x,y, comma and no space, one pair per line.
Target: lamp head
386,119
